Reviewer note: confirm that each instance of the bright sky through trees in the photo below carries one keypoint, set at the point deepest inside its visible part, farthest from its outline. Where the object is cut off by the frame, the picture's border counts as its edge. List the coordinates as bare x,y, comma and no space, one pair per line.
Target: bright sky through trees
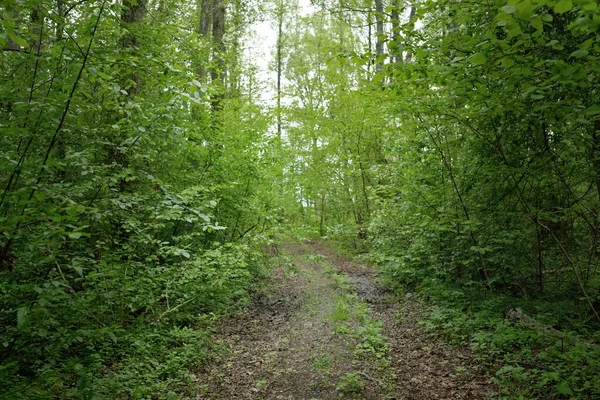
261,50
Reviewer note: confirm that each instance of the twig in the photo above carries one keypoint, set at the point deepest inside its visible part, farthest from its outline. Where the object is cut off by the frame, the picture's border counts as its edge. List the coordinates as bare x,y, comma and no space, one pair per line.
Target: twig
171,310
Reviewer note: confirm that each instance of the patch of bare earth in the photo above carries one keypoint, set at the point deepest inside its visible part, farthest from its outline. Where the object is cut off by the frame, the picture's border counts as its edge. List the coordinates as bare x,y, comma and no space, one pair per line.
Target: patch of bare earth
286,347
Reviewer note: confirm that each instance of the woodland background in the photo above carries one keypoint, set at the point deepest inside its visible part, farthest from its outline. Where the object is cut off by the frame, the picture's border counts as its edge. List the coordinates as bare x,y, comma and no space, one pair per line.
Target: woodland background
453,143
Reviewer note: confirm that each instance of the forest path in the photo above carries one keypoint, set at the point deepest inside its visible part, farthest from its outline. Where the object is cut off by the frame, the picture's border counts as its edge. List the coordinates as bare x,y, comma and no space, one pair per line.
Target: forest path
325,330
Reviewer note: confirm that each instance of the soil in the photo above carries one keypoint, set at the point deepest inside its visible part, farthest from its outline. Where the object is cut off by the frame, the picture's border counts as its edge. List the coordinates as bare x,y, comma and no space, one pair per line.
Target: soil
287,346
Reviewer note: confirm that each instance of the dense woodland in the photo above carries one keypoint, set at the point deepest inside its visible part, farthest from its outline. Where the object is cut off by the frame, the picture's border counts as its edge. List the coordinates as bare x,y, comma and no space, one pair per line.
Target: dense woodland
455,144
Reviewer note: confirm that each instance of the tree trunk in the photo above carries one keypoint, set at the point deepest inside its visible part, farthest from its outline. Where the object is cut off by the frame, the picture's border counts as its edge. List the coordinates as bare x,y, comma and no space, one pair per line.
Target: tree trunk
217,72
279,65
10,44
61,146
322,219
397,57
411,18
379,38
204,30
133,13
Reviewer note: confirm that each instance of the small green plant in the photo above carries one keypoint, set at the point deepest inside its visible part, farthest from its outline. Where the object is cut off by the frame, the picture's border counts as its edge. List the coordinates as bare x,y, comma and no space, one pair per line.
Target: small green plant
341,329
371,340
341,311
321,362
350,384
316,257
342,281
260,384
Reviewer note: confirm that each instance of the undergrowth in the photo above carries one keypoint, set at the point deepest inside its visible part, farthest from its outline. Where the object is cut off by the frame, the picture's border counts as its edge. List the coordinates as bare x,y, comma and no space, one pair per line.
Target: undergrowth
549,353
142,339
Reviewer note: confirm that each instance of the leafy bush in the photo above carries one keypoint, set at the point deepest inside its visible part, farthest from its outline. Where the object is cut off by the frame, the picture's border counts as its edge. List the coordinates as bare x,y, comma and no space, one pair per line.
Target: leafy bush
130,329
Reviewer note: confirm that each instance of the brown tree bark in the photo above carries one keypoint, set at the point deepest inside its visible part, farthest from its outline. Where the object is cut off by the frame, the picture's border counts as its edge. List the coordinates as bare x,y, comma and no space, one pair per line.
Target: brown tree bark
205,31
397,57
379,34
411,18
217,72
133,13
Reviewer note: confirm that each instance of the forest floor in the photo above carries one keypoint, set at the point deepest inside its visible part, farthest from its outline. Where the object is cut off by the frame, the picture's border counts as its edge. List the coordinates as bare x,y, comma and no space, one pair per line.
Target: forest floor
324,329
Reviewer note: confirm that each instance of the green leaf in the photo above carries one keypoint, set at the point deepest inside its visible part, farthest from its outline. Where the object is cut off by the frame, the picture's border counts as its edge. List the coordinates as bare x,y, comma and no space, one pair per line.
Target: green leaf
18,40
182,252
478,58
199,85
593,110
103,75
537,23
563,6
22,319
514,29
563,388
579,53
204,217
508,62
547,18
525,9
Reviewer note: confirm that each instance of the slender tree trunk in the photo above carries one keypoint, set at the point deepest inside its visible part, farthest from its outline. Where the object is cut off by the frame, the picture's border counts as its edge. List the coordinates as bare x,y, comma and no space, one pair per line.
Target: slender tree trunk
595,153
540,259
205,18
61,146
363,178
204,30
322,219
279,65
10,44
37,20
217,72
133,13
379,39
369,39
397,57
411,18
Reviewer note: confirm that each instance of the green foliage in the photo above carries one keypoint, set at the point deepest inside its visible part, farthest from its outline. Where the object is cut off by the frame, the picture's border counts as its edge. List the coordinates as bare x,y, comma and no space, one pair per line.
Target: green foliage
371,340
139,177
130,217
350,384
489,195
131,327
527,360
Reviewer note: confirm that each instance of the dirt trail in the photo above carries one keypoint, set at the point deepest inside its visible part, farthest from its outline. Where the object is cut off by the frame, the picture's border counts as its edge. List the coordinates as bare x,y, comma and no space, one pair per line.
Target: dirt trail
325,330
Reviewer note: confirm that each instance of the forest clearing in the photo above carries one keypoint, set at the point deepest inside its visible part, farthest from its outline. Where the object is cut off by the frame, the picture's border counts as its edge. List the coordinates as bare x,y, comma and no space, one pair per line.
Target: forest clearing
293,199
